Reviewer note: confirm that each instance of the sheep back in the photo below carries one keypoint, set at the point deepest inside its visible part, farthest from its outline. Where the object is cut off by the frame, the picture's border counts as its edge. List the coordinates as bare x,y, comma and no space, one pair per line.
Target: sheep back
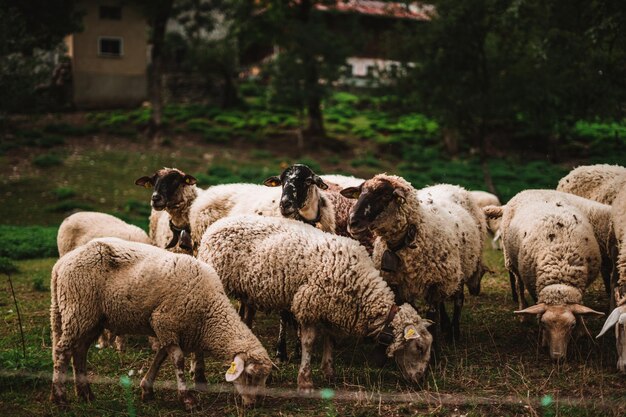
599,182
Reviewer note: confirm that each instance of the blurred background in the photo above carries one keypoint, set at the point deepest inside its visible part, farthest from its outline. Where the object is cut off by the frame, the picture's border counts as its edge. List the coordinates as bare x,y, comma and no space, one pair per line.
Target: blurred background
490,94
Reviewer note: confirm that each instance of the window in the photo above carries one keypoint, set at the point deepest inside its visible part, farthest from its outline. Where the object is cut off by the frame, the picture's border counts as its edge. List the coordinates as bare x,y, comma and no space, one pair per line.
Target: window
110,47
110,13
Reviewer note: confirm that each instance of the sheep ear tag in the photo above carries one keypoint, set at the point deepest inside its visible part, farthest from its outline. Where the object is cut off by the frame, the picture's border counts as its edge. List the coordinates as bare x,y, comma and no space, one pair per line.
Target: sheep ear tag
236,368
410,332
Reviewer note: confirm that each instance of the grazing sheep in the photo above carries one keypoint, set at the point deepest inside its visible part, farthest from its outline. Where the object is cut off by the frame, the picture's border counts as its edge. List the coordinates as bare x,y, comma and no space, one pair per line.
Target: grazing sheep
174,192
80,228
551,246
599,182
429,242
484,199
617,318
306,197
323,279
133,288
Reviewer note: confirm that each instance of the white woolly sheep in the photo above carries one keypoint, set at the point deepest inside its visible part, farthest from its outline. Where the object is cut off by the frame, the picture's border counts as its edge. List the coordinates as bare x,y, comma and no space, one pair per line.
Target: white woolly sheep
550,244
429,242
599,182
323,279
80,228
133,288
484,199
617,318
174,193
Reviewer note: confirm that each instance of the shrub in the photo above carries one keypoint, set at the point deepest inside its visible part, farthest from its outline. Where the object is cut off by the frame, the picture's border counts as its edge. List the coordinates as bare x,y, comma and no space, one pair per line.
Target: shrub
27,242
39,283
135,207
47,160
50,140
63,193
70,130
70,205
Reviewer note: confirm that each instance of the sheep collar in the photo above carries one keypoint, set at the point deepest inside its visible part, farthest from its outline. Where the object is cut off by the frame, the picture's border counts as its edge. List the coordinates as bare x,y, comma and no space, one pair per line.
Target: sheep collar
385,336
180,233
391,261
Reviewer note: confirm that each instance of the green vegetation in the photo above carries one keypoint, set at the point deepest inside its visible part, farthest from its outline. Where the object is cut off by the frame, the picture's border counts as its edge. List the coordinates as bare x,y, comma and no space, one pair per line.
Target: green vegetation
28,242
48,160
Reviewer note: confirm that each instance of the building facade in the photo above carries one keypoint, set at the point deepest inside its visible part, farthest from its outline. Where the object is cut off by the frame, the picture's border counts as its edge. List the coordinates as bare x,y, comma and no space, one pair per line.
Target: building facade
110,56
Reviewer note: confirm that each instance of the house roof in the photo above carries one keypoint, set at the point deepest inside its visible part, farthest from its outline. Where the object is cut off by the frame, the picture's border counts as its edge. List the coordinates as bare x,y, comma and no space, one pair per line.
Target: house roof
397,10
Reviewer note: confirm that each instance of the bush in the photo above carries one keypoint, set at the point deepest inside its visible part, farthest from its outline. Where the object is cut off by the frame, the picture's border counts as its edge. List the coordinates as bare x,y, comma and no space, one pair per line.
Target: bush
47,160
70,205
139,208
28,242
39,283
67,129
63,193
50,140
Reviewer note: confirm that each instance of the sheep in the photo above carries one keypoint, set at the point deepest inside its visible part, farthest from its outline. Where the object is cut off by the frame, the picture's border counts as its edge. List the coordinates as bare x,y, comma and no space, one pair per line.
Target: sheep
428,242
80,228
617,318
174,192
134,288
323,279
599,182
552,242
343,181
306,197
483,199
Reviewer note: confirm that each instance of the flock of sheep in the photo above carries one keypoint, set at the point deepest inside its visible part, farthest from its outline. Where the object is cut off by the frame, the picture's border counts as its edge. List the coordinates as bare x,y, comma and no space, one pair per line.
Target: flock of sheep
330,254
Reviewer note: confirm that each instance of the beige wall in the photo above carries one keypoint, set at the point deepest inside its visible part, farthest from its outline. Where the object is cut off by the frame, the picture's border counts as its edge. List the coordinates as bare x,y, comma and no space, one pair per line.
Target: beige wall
101,81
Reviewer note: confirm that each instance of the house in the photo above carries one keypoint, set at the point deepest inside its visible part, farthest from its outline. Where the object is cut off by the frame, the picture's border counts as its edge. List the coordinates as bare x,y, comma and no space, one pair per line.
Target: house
109,58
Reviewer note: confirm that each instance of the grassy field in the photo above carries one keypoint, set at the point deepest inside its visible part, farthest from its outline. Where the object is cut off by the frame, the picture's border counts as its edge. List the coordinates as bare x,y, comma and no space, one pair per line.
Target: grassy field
52,165
496,369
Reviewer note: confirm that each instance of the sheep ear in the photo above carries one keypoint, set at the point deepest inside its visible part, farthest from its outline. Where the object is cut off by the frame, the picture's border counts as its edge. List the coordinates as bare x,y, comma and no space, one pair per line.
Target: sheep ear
319,182
189,180
410,332
351,192
399,195
237,366
536,309
273,181
612,320
428,323
583,310
144,182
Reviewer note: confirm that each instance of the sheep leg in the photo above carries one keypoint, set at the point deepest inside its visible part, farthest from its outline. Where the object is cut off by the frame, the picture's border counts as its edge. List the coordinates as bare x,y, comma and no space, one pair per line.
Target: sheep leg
79,360
307,337
147,383
514,294
459,299
281,345
199,379
444,318
60,358
249,316
327,358
185,396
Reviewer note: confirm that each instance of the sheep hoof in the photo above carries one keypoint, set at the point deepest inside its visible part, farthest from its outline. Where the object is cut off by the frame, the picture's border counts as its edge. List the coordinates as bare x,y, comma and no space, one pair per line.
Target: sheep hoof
147,395
60,399
189,401
85,394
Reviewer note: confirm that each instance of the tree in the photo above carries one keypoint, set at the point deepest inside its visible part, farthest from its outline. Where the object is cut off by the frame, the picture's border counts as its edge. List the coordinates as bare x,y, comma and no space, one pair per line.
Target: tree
533,66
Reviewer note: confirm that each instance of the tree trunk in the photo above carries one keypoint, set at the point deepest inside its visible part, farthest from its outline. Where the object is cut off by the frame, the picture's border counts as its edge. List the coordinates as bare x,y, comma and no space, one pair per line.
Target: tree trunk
450,141
315,125
159,24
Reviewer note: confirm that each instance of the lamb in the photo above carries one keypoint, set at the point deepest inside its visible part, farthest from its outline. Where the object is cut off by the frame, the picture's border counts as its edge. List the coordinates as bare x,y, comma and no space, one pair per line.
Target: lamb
323,279
81,227
617,318
306,197
599,182
133,288
484,199
428,242
174,193
551,243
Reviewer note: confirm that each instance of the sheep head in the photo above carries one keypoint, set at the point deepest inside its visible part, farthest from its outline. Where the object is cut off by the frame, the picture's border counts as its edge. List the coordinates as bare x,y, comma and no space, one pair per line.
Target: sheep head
557,324
379,199
411,343
248,373
168,184
299,198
